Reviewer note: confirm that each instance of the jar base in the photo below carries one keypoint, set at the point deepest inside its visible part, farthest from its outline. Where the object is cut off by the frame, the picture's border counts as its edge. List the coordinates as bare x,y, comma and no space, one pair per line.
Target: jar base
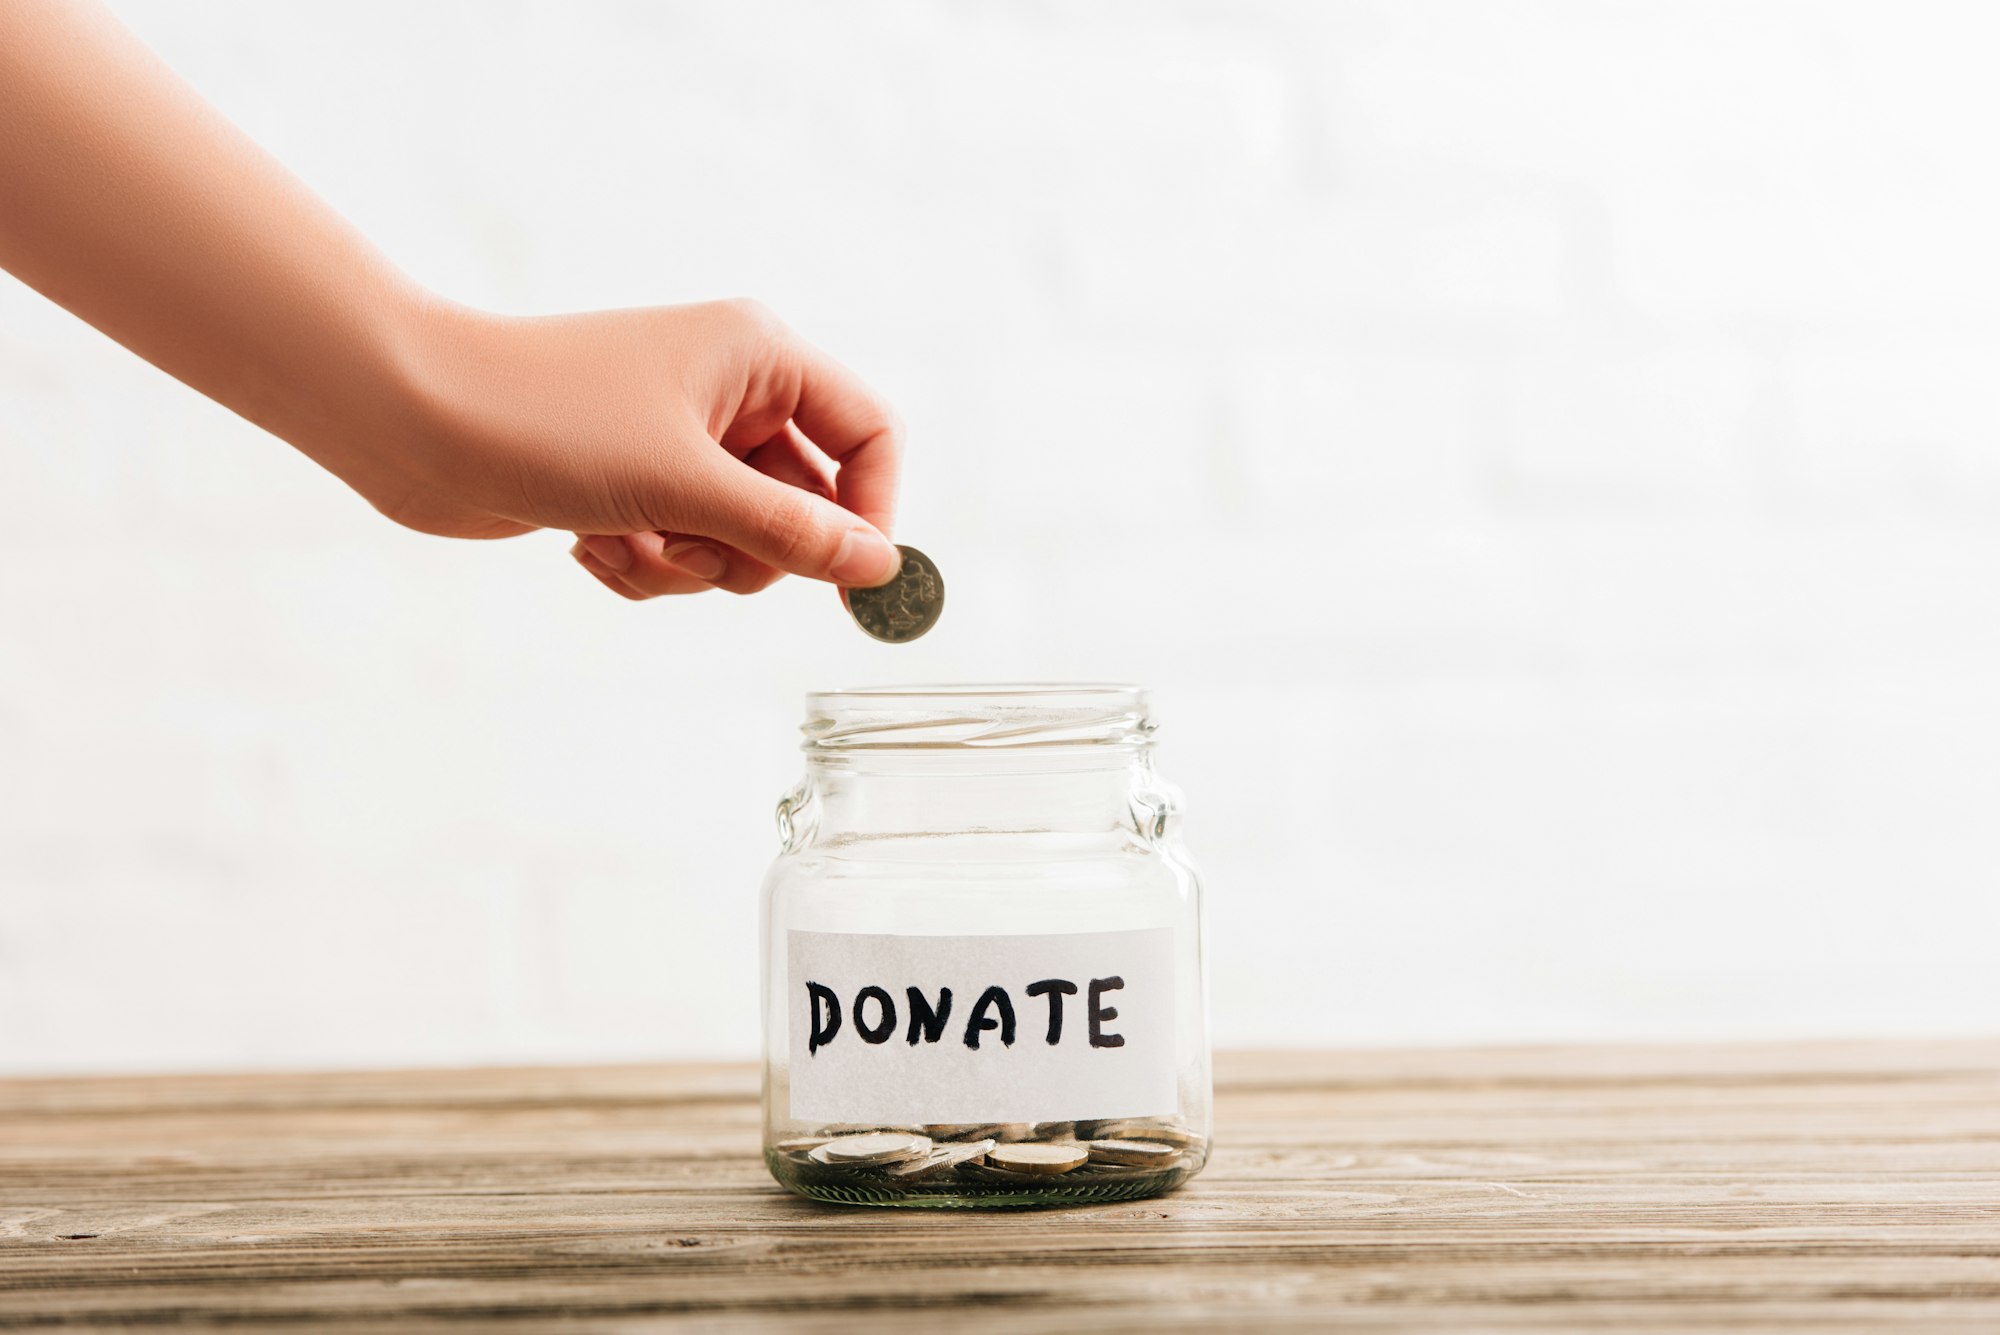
1085,1186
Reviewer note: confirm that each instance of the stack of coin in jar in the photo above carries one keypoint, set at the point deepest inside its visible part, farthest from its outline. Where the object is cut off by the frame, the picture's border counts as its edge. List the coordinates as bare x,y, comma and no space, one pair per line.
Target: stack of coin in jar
1041,1157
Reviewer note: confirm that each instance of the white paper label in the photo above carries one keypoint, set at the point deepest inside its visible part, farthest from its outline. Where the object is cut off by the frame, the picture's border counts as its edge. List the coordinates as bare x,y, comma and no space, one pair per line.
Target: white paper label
910,1029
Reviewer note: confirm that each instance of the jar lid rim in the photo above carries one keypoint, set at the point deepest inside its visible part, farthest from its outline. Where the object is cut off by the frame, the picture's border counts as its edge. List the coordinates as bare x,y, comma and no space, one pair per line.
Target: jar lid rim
981,716
1014,691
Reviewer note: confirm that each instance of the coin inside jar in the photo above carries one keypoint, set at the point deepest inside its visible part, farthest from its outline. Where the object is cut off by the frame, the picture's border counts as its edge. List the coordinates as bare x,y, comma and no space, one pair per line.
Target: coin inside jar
1038,1158
799,1149
1134,1129
938,1160
981,1171
1132,1152
879,1147
965,1131
904,608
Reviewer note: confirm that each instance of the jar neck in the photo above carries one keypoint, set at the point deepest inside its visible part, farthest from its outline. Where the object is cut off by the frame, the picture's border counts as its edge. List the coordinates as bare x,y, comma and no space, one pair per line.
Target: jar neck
1056,791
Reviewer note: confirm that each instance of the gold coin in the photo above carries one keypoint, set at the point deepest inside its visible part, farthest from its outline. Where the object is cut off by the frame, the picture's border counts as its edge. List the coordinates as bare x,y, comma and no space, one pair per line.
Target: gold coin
1039,1157
1132,1152
986,1172
1132,1128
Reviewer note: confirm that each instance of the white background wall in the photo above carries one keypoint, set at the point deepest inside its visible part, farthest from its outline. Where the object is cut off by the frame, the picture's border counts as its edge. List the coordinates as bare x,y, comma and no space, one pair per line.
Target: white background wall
1544,455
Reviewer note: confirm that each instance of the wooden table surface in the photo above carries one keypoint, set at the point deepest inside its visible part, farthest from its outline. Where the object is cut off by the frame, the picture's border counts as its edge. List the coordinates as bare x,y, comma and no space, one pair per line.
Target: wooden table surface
1804,1188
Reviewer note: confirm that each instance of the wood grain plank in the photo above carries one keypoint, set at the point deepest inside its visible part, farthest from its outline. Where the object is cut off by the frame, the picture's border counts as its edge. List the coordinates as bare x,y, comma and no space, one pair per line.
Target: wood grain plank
1804,1187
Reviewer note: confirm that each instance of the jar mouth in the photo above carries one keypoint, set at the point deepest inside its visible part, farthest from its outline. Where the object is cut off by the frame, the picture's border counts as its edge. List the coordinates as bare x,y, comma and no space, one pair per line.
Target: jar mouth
977,716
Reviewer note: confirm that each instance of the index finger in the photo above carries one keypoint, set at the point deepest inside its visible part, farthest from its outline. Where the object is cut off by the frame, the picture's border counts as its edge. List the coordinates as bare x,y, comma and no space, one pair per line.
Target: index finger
857,429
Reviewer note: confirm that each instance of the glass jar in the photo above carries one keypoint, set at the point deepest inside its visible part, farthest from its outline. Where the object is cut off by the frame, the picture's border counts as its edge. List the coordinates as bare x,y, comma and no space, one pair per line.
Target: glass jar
982,954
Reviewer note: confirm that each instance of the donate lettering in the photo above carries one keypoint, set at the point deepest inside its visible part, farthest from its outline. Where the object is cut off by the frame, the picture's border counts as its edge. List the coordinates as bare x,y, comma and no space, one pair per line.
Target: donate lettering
872,1015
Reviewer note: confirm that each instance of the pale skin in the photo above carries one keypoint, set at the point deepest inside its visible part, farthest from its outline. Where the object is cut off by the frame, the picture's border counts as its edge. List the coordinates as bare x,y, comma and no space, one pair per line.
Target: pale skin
687,447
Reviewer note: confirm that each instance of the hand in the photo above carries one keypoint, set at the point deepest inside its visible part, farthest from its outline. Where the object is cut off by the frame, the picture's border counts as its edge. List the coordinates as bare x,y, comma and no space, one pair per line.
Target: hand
689,447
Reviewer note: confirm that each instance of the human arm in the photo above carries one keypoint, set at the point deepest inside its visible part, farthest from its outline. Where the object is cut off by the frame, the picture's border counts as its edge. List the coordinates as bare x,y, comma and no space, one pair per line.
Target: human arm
132,203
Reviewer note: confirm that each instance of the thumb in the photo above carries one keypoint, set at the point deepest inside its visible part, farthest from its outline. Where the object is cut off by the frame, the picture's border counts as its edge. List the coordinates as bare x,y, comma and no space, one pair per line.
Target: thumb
790,528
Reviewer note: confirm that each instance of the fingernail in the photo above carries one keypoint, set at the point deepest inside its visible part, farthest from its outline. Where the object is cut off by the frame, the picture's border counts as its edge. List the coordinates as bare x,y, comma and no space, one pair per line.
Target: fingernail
865,559
698,559
612,551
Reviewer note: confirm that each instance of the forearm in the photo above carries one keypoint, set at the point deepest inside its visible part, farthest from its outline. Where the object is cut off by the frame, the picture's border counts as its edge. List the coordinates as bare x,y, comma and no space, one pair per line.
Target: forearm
128,200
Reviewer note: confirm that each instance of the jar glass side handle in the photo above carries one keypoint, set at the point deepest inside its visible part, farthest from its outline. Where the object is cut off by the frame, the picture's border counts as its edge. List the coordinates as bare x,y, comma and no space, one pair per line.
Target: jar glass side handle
1156,807
798,816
